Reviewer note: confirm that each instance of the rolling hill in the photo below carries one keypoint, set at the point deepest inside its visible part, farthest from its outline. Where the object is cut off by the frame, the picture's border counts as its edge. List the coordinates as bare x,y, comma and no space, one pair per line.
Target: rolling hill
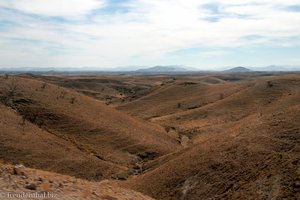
168,136
245,146
84,123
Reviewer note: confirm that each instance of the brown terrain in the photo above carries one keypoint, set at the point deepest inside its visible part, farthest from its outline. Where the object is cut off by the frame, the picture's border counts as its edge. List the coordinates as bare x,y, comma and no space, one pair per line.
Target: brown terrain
179,136
41,184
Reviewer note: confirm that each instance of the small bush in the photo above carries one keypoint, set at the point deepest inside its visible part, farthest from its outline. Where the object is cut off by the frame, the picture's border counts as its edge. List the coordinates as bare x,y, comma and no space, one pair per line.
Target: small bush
23,120
221,96
73,99
270,84
62,94
44,85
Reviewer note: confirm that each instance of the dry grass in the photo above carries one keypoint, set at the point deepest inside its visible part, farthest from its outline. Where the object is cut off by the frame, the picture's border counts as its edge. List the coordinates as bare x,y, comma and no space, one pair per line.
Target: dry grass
240,132
64,187
104,137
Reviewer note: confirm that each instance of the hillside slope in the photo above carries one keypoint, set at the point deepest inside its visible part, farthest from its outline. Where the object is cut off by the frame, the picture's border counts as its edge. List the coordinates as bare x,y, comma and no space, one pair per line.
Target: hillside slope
245,146
180,96
88,124
21,180
258,97
26,143
239,134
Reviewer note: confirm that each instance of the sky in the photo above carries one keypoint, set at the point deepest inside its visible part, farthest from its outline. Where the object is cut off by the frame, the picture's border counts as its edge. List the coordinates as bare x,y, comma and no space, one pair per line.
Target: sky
104,34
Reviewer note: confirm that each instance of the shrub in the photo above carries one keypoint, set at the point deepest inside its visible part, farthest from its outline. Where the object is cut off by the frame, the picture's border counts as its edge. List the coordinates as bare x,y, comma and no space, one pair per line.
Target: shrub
73,99
44,85
270,84
221,96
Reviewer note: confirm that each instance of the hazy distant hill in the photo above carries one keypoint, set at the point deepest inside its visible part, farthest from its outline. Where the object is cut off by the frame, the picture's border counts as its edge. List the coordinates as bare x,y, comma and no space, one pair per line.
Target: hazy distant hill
163,69
238,69
278,68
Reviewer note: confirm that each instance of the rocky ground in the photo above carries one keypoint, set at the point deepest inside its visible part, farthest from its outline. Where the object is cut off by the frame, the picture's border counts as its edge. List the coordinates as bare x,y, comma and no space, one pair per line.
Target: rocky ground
18,180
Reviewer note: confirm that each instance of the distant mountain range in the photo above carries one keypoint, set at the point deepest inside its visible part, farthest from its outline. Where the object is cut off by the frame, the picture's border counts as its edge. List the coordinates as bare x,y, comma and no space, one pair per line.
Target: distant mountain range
144,69
275,68
238,70
271,68
159,69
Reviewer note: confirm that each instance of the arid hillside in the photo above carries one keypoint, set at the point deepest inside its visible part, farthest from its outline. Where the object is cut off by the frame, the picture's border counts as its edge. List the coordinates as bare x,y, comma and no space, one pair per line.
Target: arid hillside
246,146
18,180
179,96
24,142
80,122
179,136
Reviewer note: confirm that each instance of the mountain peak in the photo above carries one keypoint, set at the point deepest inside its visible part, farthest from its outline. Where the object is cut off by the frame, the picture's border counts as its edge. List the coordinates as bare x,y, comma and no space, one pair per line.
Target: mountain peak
238,69
158,68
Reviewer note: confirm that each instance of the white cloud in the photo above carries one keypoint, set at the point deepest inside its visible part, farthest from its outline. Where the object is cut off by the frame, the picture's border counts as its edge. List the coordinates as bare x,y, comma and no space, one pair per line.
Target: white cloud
57,7
149,31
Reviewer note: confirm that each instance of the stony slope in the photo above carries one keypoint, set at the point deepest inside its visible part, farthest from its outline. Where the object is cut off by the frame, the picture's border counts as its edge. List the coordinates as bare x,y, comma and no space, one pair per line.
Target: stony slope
18,180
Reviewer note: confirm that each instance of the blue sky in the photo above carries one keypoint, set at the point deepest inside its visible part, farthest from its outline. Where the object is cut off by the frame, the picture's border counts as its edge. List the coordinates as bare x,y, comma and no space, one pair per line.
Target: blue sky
104,34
